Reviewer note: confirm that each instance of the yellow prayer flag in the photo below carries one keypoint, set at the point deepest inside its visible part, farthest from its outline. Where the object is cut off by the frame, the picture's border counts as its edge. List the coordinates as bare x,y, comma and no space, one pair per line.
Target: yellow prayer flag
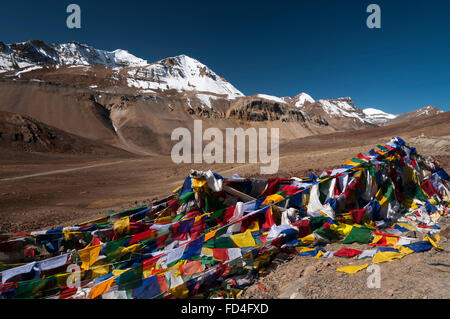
437,238
391,240
244,239
180,292
254,226
71,235
275,198
61,279
319,254
89,255
303,249
198,182
100,268
403,249
369,223
197,218
164,220
308,239
432,242
383,201
341,228
405,225
100,289
122,226
207,251
352,269
210,235
132,248
177,189
118,272
384,256
349,162
376,238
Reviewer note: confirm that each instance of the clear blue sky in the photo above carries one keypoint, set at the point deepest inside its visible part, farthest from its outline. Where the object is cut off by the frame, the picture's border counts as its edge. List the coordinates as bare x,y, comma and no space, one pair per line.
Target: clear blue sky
279,47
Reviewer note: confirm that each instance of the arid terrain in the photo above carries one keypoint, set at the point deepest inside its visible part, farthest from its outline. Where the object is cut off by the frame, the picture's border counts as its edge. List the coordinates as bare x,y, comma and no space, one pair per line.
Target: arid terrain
42,190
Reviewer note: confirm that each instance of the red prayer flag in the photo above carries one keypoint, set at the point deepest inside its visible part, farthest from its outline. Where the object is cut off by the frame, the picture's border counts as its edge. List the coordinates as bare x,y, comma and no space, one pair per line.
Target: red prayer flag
220,254
347,252
192,267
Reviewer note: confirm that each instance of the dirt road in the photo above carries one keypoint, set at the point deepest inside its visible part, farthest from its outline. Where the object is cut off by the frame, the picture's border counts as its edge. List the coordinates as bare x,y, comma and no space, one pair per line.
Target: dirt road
59,171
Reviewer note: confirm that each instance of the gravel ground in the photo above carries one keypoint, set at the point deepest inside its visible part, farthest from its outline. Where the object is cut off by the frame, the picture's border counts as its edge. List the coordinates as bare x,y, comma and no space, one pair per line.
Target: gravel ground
411,277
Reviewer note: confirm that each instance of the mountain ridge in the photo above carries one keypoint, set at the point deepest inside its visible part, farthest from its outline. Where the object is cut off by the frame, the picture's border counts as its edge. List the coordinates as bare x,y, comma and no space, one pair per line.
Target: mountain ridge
127,102
179,73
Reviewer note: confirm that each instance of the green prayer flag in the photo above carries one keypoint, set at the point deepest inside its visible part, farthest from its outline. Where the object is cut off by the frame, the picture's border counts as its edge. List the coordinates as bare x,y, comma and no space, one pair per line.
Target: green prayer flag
131,278
326,233
359,235
30,288
357,160
217,214
222,242
316,222
186,197
212,204
114,248
384,149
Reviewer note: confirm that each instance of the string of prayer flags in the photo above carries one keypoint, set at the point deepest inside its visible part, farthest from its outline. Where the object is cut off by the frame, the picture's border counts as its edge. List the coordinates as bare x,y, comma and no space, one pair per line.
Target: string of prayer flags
213,236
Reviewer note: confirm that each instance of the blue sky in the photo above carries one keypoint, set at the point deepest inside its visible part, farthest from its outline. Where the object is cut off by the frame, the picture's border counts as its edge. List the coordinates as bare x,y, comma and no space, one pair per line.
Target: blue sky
279,47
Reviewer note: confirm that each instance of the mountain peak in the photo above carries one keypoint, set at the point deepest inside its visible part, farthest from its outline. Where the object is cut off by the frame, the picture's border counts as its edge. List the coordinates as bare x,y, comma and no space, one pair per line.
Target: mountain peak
430,108
181,73
376,116
301,99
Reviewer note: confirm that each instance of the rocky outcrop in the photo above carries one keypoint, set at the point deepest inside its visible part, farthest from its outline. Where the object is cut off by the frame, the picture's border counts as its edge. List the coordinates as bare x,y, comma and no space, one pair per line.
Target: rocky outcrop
258,110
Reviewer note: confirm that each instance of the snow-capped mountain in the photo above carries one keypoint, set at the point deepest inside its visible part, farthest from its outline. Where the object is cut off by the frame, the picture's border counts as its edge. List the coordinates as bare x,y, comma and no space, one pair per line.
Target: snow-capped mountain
37,52
428,110
340,108
376,116
424,111
181,73
301,99
180,77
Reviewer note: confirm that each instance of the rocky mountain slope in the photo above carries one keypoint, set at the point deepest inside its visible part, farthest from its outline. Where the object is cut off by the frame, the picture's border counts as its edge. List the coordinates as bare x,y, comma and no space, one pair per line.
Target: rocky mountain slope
424,111
25,134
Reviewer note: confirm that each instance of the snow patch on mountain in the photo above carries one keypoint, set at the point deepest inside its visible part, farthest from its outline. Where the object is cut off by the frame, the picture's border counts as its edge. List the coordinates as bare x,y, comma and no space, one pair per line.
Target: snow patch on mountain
271,98
428,110
205,99
376,116
27,69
